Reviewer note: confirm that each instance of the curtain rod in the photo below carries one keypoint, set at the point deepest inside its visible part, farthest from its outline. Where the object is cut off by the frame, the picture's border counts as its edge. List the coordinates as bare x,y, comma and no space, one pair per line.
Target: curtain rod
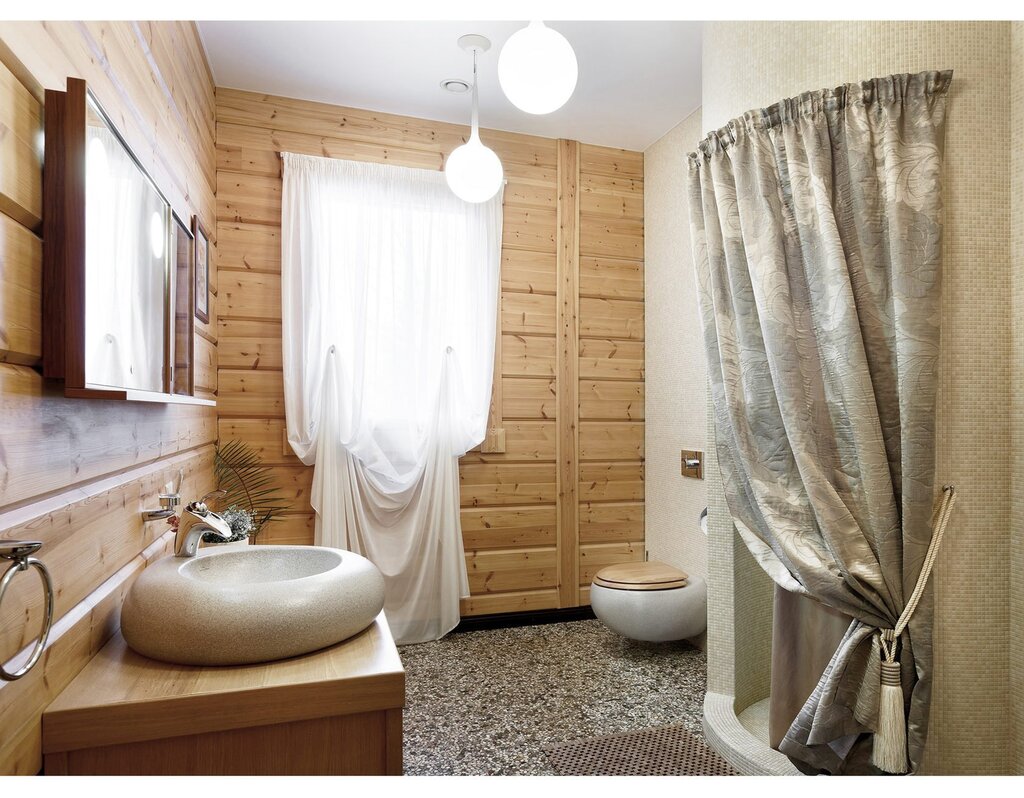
280,157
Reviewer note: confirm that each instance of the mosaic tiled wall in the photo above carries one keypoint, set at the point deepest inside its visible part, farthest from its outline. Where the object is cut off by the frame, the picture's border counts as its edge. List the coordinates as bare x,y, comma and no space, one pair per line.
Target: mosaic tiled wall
748,65
675,372
1017,389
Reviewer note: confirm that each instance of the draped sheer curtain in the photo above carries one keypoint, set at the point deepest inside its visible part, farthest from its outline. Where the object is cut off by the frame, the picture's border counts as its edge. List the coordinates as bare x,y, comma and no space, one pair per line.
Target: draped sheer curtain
816,227
389,300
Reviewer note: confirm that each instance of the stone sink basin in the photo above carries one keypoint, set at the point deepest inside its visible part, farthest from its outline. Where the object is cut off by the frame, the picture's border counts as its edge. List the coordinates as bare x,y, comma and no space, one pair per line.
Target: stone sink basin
251,604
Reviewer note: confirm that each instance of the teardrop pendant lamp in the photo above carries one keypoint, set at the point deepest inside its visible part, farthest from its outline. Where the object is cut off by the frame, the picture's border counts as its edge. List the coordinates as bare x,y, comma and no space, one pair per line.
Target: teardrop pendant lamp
472,171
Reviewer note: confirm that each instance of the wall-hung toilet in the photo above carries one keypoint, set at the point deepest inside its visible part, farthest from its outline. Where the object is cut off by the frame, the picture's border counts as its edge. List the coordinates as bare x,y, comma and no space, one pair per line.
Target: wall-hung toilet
650,601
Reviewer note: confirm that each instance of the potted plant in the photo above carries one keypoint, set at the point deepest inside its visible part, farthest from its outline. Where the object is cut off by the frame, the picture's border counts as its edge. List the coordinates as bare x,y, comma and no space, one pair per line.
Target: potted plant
247,491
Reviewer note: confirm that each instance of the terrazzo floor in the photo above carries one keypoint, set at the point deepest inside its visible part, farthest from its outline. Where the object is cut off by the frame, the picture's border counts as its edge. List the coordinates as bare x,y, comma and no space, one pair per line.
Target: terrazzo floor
484,702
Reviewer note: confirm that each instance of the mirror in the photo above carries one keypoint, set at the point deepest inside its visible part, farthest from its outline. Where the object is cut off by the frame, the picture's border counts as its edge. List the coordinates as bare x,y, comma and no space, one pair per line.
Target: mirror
126,257
118,264
182,257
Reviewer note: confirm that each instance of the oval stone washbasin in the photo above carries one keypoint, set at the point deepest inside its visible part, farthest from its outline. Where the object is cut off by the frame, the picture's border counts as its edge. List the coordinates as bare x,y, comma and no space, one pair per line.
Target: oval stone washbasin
253,604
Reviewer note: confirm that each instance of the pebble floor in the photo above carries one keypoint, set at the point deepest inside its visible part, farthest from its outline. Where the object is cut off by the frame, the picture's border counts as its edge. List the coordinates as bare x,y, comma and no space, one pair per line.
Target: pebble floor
485,702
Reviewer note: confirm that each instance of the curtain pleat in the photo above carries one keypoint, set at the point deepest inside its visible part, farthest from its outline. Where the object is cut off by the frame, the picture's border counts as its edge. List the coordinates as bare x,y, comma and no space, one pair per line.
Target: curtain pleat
389,301
816,229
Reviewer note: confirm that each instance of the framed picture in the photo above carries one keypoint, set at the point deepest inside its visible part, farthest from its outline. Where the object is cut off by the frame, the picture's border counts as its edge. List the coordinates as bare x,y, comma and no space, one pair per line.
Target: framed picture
202,280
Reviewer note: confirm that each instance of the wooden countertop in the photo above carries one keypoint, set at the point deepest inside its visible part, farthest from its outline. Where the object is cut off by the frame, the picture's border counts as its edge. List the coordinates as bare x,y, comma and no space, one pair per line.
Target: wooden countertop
121,696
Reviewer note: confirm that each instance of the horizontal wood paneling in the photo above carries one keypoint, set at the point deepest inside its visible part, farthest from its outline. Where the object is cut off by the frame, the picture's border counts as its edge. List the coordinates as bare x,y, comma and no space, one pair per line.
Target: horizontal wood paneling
611,482
529,272
88,534
520,601
527,313
524,440
21,262
290,529
609,278
251,344
21,185
594,557
604,359
612,162
527,355
509,497
320,119
496,485
51,442
508,527
77,473
611,318
249,295
611,327
251,394
611,400
605,195
517,569
249,247
528,228
75,638
528,398
133,84
611,440
205,365
265,436
612,522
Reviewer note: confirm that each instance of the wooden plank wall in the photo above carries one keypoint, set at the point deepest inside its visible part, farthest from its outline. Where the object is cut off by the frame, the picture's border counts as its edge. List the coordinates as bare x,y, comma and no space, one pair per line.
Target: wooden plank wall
77,473
611,360
511,517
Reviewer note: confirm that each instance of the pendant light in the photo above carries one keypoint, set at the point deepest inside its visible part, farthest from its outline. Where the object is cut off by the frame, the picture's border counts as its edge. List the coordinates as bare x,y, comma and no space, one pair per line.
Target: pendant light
473,171
537,69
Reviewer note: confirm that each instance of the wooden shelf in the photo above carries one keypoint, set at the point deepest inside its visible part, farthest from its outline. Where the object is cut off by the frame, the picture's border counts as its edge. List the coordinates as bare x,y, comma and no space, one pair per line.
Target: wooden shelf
155,397
123,707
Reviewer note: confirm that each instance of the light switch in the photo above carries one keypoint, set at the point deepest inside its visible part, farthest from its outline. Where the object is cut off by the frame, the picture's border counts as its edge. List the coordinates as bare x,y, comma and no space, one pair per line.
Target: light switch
692,463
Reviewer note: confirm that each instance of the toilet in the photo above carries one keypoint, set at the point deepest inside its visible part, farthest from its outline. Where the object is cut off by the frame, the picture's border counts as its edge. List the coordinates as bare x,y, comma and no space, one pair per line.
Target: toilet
650,601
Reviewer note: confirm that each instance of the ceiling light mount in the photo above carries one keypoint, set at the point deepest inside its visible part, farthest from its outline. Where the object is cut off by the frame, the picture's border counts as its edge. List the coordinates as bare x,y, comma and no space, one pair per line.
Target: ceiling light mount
474,43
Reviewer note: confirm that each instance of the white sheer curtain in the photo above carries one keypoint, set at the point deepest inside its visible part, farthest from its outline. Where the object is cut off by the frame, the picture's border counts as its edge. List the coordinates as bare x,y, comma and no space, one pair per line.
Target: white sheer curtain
389,295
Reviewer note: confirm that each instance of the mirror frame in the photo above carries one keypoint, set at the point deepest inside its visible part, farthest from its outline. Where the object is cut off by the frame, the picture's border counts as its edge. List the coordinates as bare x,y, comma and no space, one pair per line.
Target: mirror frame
64,253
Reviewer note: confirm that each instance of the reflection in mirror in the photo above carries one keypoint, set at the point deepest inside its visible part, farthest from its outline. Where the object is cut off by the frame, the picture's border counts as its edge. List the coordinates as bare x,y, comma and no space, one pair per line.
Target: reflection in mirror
182,255
126,232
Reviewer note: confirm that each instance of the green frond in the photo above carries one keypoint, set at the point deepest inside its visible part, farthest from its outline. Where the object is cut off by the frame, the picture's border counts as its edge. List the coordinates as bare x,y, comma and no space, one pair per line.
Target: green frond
248,483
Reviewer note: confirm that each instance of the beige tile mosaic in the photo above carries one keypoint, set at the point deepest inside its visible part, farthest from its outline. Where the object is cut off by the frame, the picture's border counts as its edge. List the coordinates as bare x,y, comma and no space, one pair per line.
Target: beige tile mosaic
1017,389
748,65
675,374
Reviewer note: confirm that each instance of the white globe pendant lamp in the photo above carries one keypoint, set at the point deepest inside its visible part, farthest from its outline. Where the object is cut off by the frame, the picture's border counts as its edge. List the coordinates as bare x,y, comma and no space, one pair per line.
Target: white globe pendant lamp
472,171
537,69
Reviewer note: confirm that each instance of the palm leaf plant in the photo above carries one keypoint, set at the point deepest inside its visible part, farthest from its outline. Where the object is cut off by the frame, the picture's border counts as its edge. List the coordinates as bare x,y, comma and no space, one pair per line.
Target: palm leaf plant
248,484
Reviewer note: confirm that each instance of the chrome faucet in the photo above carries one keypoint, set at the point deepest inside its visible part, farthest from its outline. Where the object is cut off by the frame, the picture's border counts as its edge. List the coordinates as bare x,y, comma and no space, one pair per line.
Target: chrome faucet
196,520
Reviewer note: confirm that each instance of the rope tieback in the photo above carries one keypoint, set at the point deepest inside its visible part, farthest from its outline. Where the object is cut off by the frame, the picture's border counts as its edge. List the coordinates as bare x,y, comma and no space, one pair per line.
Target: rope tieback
890,744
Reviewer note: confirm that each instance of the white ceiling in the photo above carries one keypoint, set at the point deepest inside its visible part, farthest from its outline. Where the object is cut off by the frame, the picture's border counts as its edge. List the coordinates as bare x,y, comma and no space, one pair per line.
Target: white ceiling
637,80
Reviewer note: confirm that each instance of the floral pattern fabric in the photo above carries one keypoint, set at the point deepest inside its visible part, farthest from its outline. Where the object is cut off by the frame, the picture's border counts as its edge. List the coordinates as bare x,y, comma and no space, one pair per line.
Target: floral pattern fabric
816,227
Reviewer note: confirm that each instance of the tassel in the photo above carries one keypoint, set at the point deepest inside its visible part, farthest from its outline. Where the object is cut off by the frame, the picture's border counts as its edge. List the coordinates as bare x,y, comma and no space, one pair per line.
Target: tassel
890,746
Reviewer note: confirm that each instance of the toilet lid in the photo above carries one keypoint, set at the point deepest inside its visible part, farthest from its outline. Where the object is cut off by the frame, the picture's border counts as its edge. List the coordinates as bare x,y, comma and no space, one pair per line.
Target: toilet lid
641,576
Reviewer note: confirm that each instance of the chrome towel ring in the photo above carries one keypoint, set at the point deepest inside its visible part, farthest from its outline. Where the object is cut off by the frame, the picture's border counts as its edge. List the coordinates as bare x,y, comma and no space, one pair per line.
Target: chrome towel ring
20,552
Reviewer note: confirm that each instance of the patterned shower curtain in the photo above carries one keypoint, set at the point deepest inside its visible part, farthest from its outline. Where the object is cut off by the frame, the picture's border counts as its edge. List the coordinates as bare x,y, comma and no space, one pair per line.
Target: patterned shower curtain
816,227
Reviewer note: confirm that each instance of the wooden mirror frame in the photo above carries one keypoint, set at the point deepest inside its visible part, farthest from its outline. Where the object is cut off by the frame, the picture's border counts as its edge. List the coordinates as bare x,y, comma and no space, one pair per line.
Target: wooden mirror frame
64,254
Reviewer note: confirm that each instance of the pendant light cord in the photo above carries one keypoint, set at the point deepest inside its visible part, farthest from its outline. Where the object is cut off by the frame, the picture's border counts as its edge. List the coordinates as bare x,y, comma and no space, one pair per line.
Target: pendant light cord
475,119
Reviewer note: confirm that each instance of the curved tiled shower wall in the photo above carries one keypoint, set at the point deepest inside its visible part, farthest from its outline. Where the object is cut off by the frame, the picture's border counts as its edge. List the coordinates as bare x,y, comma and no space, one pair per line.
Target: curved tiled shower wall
748,65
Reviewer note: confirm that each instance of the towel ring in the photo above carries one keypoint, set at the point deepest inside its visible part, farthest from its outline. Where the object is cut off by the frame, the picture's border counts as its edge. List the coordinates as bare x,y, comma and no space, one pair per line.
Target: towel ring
20,552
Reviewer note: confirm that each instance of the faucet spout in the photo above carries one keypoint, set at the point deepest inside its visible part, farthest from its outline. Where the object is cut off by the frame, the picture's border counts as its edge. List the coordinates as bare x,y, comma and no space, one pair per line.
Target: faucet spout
196,521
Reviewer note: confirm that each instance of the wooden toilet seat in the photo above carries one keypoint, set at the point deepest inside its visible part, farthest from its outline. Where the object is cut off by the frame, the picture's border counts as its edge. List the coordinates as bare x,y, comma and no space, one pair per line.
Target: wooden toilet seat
651,575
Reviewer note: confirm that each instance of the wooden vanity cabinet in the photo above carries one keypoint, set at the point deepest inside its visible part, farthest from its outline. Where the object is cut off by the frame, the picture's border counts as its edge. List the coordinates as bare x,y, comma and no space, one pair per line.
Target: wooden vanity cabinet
333,712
